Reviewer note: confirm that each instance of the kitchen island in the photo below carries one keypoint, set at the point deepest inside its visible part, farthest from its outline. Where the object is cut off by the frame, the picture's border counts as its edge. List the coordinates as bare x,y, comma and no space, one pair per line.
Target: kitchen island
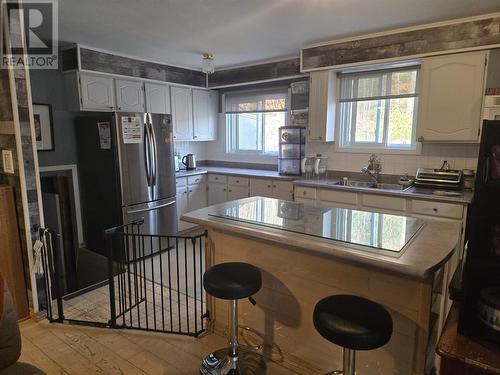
307,252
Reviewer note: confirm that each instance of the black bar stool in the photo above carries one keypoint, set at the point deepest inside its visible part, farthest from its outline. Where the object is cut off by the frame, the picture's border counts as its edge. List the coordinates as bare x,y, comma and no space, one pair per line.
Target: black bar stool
233,281
354,323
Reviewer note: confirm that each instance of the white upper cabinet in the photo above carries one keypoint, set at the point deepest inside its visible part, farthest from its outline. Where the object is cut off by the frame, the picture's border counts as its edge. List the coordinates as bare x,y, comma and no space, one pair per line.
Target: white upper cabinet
157,98
451,97
322,106
204,115
182,113
97,92
129,95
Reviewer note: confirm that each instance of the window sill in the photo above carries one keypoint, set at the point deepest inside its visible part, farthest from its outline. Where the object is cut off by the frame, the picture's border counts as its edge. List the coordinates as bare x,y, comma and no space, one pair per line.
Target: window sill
380,151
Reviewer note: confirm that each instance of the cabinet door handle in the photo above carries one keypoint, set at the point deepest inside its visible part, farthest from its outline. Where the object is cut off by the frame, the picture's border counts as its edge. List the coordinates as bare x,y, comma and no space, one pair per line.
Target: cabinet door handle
190,191
274,186
230,191
237,181
304,193
268,186
224,189
435,209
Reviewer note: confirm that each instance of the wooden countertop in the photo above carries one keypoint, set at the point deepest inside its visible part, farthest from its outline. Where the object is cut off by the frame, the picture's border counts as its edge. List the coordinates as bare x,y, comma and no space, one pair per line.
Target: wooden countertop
464,352
431,248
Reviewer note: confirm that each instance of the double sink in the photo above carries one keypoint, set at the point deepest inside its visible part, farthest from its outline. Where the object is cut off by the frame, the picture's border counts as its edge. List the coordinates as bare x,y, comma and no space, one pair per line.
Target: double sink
370,185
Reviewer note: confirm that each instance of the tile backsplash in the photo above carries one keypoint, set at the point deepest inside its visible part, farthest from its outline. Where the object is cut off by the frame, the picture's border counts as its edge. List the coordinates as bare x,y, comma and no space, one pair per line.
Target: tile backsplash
459,156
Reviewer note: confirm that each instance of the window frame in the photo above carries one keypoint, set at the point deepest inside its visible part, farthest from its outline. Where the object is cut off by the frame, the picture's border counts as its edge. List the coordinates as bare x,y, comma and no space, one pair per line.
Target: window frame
369,147
232,129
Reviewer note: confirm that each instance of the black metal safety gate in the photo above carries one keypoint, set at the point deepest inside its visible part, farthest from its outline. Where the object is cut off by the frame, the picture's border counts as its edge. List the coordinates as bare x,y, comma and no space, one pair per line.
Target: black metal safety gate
154,281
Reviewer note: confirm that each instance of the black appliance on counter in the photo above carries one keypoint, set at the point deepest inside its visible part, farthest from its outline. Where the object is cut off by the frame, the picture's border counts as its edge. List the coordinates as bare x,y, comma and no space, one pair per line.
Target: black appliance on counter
480,308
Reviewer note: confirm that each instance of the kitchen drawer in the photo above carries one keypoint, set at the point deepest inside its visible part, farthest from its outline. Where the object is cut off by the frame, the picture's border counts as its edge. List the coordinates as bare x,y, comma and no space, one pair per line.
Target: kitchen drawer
217,178
197,179
237,181
181,181
305,192
449,210
338,196
381,201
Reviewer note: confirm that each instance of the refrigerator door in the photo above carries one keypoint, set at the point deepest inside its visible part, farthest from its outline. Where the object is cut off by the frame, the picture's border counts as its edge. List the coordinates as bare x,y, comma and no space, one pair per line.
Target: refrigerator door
160,217
163,168
134,149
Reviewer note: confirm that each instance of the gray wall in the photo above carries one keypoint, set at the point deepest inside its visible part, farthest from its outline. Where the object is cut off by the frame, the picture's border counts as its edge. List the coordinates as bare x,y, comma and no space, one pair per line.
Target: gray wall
47,87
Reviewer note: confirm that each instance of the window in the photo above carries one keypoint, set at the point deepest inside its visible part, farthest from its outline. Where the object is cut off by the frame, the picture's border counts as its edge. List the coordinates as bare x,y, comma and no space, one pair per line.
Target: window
378,109
253,120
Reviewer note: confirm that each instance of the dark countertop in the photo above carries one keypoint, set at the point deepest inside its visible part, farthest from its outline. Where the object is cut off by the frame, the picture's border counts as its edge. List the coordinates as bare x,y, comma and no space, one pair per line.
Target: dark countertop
258,173
323,184
330,184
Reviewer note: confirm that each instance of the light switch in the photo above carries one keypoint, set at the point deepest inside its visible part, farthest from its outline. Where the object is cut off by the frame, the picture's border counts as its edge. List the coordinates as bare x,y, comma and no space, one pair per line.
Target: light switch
8,162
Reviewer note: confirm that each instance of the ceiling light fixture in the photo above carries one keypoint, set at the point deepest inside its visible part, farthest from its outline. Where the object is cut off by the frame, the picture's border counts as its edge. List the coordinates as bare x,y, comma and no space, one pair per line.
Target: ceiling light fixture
207,63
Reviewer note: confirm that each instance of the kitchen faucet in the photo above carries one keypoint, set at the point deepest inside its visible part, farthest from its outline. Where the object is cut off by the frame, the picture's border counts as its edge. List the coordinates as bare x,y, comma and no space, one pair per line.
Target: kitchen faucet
374,168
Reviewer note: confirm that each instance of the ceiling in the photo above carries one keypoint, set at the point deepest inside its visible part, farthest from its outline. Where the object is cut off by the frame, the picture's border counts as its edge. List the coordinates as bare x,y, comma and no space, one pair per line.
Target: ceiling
240,32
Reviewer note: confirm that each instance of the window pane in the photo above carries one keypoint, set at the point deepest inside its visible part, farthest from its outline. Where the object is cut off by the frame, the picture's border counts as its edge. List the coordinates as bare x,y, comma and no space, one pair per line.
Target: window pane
400,121
372,86
403,82
273,121
249,131
275,104
250,106
369,121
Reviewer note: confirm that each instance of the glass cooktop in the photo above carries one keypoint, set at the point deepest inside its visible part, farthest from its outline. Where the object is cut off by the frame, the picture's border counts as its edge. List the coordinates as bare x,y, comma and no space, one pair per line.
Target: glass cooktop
363,229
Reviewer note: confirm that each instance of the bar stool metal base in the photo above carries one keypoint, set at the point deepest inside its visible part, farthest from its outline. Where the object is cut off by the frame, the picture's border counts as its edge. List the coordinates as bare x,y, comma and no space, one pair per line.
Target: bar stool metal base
247,362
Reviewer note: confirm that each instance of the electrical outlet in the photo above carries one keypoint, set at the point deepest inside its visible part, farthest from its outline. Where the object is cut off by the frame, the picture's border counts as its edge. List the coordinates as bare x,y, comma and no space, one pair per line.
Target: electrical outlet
8,162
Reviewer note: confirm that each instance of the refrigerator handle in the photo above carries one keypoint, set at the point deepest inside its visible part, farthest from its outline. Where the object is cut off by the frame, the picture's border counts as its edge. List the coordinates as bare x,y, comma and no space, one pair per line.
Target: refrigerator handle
151,208
154,154
147,154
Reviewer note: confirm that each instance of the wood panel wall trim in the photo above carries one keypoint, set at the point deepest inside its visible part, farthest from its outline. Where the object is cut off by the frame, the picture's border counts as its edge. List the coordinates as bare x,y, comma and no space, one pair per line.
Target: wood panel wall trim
466,34
7,127
271,71
88,59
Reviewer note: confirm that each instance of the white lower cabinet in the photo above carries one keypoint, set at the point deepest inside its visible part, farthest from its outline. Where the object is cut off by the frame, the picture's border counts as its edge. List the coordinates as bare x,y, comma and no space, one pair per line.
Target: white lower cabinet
283,190
263,188
197,196
190,196
237,192
217,193
271,189
182,207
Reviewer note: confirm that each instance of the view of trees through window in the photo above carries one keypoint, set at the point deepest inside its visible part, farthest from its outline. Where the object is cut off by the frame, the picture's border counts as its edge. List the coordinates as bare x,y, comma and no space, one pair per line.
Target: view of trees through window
253,125
378,108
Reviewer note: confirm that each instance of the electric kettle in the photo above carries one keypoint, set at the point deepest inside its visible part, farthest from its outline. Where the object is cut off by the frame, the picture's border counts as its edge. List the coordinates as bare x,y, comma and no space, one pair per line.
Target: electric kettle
189,161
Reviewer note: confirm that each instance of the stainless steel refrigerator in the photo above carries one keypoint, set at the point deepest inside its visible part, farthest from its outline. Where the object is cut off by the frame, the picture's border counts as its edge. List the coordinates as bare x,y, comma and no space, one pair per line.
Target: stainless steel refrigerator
126,167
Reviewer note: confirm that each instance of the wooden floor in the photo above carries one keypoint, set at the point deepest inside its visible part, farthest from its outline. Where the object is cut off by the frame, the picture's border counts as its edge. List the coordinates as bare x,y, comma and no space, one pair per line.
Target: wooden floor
154,306
69,349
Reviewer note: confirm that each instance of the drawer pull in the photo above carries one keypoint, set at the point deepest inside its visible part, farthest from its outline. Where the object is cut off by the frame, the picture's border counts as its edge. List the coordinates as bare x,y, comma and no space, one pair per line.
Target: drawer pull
268,186
274,186
224,189
216,178
190,191
305,193
230,191
237,181
197,180
435,209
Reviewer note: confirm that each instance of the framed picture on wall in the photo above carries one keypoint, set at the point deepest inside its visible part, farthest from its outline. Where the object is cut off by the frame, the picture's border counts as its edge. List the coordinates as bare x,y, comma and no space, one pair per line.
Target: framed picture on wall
44,132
